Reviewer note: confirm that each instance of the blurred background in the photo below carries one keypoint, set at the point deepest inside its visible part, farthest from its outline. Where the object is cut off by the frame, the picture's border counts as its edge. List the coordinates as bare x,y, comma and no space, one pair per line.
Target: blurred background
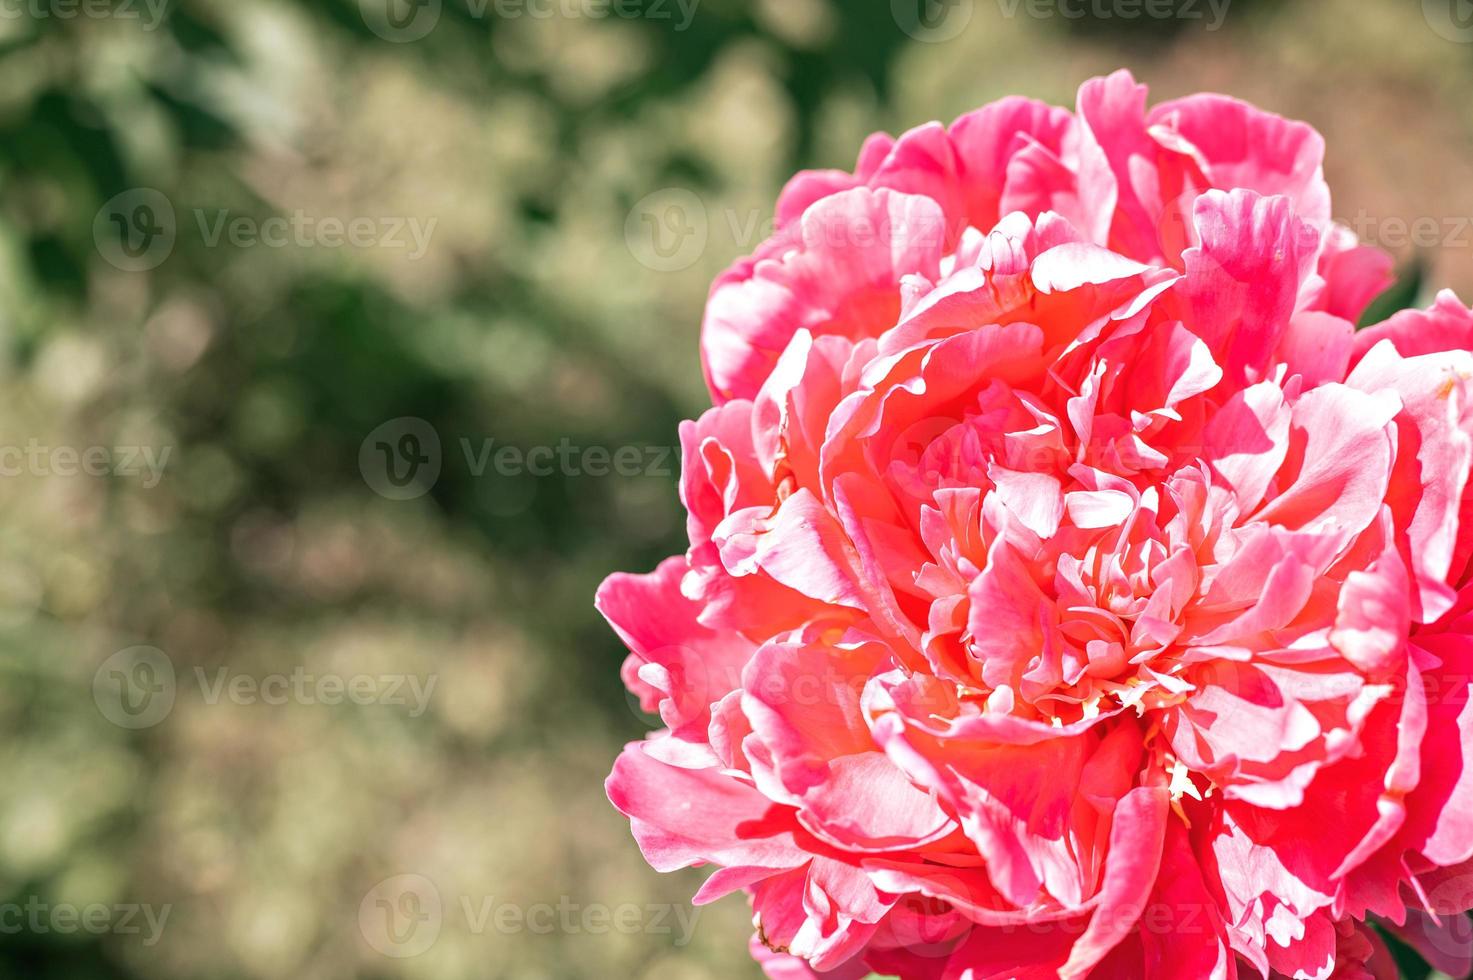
341,347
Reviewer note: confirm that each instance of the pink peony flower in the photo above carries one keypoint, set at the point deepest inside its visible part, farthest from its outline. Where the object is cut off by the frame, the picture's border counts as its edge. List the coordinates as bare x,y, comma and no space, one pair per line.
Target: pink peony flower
1071,592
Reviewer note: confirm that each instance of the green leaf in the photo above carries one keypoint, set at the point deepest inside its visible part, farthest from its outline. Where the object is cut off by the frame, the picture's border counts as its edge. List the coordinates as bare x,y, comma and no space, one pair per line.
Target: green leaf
1403,295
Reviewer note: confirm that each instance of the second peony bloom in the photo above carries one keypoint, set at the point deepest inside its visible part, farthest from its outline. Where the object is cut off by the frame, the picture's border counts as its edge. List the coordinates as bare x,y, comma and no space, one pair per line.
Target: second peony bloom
1072,590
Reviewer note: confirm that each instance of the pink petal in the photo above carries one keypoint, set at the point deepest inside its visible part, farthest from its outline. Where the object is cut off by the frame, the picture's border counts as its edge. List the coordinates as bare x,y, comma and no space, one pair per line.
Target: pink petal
836,271
685,817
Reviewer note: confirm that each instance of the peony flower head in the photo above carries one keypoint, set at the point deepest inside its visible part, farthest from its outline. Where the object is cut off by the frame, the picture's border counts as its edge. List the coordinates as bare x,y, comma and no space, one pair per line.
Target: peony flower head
1072,591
